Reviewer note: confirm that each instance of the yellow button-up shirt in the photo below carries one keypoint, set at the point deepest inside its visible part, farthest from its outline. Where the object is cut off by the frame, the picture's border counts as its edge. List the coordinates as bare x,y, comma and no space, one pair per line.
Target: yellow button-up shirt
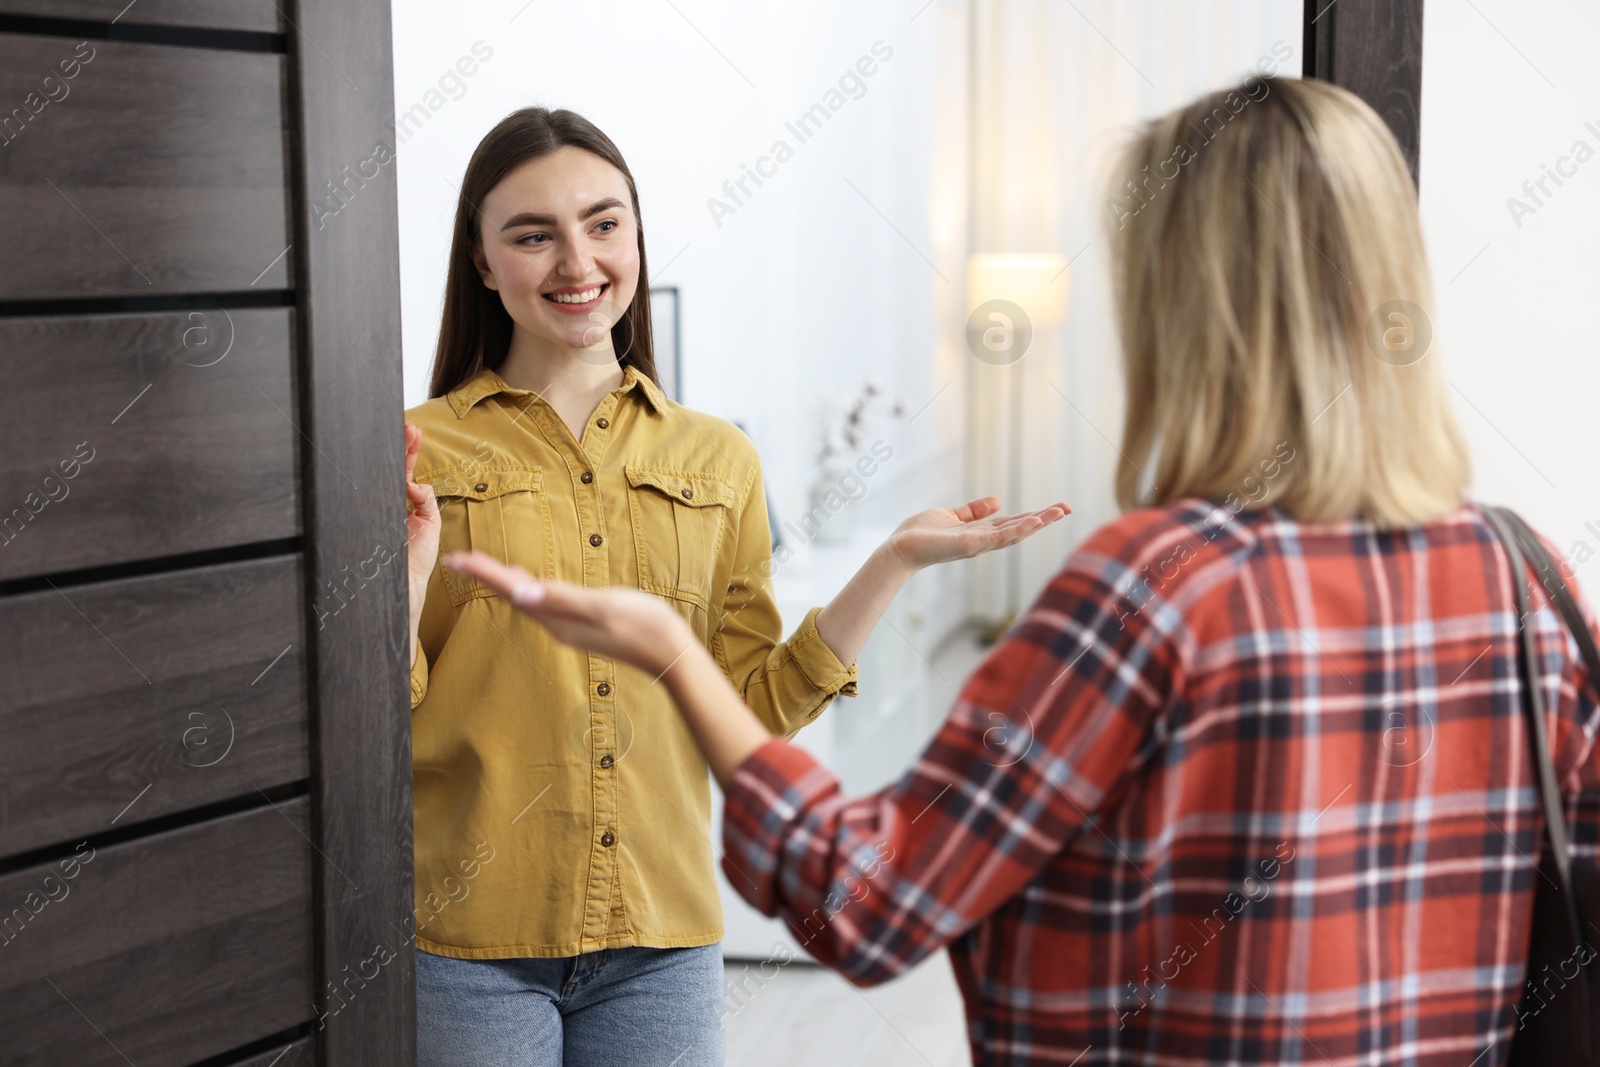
560,804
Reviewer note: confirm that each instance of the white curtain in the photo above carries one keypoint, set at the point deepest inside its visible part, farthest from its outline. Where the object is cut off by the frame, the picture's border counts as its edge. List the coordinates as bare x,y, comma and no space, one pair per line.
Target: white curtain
1055,85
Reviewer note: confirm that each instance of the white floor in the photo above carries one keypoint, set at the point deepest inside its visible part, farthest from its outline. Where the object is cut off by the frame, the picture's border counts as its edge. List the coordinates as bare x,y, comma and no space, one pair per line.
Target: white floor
804,1015
800,1015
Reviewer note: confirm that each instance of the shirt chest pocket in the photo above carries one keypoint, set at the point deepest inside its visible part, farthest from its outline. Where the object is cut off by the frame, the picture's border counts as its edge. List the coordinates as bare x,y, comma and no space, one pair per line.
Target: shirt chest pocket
503,512
679,521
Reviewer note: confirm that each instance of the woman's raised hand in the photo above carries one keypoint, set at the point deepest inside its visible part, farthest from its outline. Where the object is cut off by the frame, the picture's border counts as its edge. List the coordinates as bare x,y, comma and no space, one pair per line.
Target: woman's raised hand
627,624
939,535
422,528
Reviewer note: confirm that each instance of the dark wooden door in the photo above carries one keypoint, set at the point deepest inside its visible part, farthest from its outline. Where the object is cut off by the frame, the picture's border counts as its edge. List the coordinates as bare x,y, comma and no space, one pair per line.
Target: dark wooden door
205,814
1374,49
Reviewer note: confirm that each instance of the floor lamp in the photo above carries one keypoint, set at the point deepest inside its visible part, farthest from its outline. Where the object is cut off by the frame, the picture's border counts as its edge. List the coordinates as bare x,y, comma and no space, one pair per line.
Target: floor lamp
1016,299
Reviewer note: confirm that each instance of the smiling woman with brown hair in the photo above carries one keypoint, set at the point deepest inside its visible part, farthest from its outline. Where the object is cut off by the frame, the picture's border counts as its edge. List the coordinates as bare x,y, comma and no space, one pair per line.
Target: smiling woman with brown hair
567,904
1249,782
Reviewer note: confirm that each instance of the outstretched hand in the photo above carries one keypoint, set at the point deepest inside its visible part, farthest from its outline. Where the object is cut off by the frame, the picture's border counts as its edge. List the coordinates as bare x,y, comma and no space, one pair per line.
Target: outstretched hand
939,535
627,624
638,628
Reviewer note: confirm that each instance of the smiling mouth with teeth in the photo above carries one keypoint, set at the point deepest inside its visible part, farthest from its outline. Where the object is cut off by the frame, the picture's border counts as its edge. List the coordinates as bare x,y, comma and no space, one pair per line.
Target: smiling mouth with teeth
585,296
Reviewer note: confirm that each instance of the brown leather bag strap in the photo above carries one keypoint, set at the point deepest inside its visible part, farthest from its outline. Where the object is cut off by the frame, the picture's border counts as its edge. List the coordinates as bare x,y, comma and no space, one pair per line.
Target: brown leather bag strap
1560,594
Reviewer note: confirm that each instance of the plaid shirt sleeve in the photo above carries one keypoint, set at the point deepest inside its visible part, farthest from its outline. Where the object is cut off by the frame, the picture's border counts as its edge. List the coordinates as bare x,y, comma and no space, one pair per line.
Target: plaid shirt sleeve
1060,711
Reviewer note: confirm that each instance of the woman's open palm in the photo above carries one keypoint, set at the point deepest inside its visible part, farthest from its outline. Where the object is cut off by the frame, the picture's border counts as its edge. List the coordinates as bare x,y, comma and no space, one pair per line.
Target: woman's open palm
939,535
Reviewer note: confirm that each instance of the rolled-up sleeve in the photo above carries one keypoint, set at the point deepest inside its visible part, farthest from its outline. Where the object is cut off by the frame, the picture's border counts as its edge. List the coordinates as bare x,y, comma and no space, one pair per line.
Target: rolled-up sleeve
787,683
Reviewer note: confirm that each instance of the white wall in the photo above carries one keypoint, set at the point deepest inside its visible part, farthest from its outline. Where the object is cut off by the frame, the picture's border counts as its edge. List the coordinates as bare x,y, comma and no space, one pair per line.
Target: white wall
1508,87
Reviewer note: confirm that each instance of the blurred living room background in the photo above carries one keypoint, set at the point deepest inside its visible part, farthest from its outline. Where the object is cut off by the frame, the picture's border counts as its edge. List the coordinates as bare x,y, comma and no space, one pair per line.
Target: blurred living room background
820,297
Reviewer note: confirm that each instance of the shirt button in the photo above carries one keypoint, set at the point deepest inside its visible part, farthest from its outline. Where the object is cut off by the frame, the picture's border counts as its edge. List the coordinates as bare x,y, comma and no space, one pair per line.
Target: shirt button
482,487
604,689
688,494
586,477
595,540
606,762
602,422
608,839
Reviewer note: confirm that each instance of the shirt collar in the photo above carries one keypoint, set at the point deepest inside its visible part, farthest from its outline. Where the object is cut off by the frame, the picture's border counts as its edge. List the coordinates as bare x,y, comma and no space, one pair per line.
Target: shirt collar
487,383
652,392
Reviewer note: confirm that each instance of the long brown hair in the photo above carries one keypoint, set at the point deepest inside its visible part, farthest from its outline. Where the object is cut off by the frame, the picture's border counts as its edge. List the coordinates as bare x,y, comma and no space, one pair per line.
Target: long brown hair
476,329
1273,294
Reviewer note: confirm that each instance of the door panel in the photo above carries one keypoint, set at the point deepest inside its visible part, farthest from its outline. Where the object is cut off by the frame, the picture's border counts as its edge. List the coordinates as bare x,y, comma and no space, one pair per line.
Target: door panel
135,436
179,690
175,947
151,169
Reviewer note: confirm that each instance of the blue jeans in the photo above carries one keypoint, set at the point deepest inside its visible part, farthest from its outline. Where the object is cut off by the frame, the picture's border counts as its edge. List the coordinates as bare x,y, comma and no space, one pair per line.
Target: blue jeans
644,1007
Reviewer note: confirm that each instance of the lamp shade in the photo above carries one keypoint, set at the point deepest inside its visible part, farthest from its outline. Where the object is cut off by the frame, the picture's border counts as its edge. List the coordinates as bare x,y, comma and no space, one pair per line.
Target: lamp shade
1034,281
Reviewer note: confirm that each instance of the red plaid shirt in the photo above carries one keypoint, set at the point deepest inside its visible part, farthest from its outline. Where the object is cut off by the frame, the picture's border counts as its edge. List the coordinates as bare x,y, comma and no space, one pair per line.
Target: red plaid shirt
1236,789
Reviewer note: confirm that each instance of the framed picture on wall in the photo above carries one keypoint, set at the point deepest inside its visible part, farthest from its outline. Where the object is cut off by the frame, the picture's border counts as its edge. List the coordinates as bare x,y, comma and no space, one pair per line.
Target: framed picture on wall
664,327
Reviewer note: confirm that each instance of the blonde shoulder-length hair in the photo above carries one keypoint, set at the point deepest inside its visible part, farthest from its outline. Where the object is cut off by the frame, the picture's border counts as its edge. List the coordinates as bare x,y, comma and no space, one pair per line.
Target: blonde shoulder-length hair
1273,299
